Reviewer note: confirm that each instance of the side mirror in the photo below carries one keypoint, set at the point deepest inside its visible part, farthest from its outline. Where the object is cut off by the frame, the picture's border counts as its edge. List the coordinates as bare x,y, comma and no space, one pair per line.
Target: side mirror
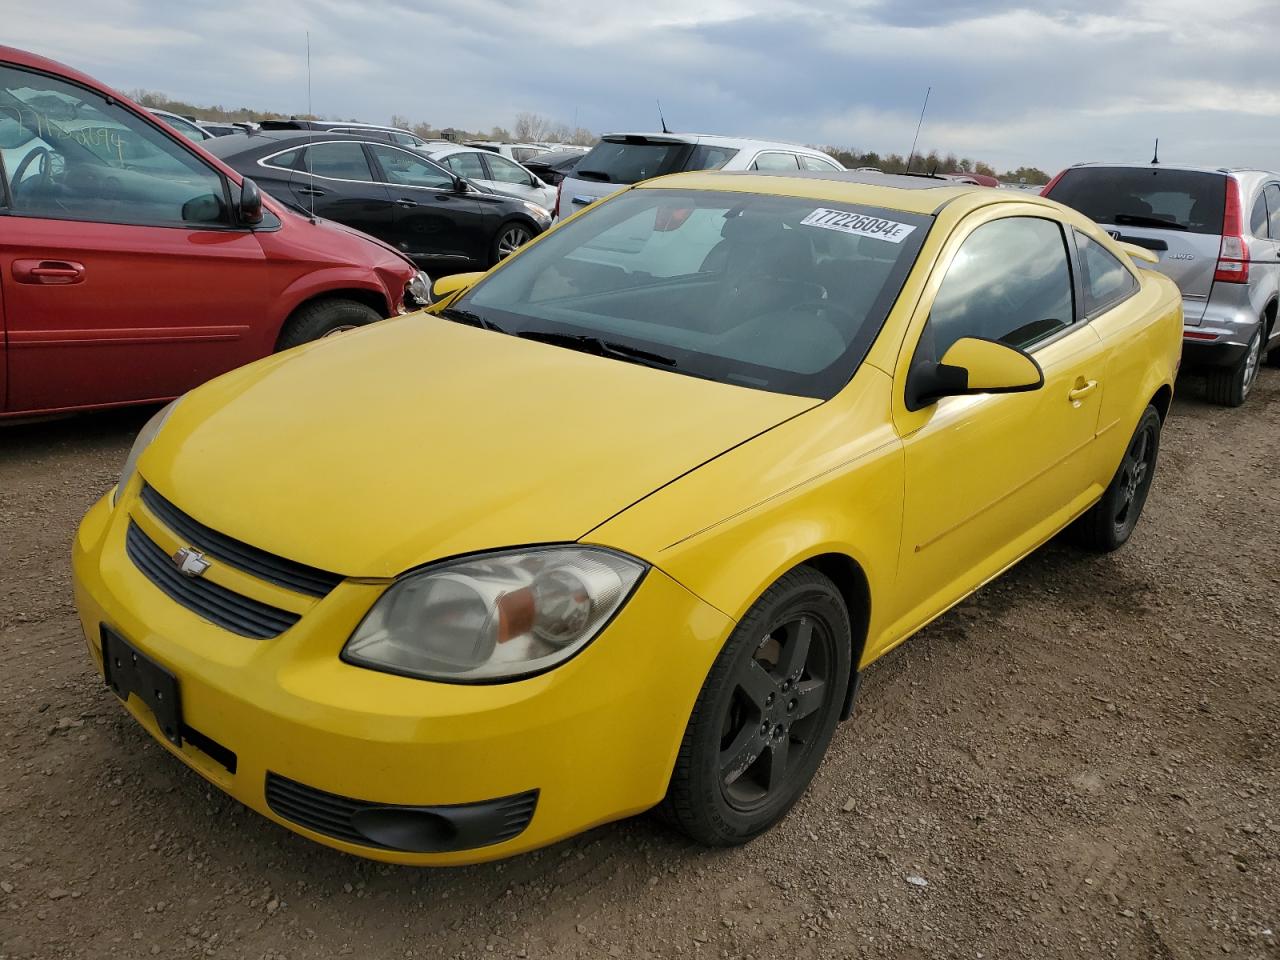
460,185
250,203
973,366
207,208
446,286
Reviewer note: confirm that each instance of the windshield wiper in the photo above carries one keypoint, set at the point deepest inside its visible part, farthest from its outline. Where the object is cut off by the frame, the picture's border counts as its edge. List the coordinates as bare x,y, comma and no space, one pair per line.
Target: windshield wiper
600,347
458,315
1139,220
593,175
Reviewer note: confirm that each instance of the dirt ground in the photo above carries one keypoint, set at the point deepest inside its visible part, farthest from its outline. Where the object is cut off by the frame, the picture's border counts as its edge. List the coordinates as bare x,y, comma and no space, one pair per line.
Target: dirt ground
1080,761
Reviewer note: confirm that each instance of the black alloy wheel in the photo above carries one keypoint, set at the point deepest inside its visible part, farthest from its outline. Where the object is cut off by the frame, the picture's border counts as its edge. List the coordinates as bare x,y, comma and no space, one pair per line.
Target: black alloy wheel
1109,523
772,719
766,713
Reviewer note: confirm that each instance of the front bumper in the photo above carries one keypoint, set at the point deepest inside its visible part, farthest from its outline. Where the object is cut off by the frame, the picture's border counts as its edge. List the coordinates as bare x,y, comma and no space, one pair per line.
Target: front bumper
593,740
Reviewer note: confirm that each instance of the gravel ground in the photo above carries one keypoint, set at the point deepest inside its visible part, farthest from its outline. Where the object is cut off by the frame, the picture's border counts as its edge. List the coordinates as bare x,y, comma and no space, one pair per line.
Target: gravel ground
1080,761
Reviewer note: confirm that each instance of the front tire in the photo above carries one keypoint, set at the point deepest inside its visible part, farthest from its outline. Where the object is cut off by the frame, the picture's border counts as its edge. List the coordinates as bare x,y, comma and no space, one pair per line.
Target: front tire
511,236
766,713
324,318
1110,522
1230,387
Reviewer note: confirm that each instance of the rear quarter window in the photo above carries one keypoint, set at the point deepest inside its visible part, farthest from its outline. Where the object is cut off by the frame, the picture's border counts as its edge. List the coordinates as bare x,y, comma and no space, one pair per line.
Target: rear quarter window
1153,197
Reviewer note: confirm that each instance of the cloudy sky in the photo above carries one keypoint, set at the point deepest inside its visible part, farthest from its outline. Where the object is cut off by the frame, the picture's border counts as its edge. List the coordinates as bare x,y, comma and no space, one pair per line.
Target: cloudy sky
1036,82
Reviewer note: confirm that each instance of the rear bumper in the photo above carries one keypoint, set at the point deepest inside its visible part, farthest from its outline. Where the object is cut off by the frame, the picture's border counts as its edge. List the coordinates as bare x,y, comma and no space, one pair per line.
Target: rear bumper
1222,335
1200,354
359,760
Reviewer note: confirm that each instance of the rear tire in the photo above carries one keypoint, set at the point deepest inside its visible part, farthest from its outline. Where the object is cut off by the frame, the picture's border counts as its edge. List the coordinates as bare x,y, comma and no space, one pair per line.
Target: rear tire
773,696
324,318
1109,523
1230,387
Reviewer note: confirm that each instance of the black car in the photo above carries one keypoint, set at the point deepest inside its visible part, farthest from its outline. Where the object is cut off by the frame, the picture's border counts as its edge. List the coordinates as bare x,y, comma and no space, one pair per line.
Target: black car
551,167
445,223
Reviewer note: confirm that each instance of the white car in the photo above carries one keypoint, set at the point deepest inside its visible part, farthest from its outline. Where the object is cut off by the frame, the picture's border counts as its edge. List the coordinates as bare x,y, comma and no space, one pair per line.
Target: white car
495,173
519,152
621,159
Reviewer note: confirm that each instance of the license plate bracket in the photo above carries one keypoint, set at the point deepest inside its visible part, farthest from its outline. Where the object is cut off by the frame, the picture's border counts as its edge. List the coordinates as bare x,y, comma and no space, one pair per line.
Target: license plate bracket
128,671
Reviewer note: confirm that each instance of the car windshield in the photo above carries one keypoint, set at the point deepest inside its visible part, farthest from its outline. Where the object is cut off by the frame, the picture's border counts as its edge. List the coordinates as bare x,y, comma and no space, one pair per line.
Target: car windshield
1187,200
775,293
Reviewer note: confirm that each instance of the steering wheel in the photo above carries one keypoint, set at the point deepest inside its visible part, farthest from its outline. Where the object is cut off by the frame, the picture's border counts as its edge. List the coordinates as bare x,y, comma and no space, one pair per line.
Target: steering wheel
46,167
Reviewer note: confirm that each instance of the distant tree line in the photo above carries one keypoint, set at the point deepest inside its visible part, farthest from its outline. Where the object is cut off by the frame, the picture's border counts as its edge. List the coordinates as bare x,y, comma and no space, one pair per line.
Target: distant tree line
932,162
538,128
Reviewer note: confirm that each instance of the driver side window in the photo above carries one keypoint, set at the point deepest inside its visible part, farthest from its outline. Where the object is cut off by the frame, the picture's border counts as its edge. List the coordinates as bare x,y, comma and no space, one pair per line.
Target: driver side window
69,154
1010,282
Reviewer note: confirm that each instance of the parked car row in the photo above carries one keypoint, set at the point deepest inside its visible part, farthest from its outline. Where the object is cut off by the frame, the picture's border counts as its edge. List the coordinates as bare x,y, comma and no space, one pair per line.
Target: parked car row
657,487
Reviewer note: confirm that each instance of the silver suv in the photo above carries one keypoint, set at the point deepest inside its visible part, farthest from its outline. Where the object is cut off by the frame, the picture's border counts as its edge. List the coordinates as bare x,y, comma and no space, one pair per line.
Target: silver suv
1217,234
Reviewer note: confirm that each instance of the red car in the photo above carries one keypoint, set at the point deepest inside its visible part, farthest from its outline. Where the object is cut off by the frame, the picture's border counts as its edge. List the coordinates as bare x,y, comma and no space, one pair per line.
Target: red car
134,265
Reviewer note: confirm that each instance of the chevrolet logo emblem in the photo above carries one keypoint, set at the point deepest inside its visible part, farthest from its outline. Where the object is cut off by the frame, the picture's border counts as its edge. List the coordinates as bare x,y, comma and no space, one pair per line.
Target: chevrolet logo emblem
191,562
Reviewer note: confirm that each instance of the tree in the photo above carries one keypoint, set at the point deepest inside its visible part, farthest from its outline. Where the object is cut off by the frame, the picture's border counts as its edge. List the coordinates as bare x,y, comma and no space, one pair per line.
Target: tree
1026,175
399,121
532,126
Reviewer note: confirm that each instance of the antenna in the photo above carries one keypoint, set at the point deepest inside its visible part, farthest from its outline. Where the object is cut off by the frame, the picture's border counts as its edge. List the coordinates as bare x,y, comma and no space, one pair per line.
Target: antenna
311,185
1155,154
919,124
660,117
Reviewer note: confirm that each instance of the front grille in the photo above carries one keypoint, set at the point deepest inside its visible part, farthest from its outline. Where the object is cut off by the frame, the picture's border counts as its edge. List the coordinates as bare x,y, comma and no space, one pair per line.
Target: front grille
259,563
230,610
476,824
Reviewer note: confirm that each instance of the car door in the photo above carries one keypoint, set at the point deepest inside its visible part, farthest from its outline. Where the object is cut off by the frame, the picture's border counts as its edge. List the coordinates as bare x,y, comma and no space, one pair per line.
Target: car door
988,477
507,177
122,273
435,224
334,180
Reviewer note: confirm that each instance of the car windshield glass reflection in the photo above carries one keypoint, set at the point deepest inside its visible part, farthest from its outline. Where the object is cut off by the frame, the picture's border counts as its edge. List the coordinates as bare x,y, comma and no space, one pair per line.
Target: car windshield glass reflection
74,155
774,293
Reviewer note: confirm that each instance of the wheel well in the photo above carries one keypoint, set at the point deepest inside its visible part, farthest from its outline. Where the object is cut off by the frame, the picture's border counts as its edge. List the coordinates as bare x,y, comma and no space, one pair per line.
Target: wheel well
851,581
370,298
1269,318
1161,401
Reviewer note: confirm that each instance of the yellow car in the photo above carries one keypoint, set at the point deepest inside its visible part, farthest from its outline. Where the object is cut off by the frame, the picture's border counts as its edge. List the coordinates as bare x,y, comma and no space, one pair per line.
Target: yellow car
619,523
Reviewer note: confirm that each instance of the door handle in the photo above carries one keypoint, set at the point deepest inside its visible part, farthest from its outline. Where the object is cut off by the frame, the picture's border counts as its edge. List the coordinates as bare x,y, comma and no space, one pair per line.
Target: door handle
49,272
1082,389
311,191
406,202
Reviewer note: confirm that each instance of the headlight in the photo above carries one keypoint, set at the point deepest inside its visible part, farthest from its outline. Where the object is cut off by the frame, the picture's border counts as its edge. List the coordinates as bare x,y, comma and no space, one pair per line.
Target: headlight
496,616
541,213
417,292
143,440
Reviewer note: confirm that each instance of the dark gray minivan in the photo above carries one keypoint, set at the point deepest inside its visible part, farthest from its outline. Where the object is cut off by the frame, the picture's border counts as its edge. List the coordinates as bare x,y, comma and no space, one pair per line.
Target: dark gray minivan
1217,234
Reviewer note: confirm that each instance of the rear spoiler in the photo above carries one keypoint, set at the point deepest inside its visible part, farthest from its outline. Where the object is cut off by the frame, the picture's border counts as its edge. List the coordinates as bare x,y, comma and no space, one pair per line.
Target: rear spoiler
1136,252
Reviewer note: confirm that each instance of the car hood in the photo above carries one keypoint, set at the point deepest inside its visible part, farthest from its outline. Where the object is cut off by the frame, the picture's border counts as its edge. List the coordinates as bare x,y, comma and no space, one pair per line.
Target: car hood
418,438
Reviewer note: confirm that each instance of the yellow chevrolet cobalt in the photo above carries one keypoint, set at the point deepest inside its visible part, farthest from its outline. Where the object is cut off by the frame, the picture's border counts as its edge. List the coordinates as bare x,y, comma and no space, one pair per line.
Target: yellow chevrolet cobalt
618,524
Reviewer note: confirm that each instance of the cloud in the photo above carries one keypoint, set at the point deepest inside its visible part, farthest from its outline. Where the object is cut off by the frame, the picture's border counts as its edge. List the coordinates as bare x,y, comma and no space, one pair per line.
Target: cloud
1030,82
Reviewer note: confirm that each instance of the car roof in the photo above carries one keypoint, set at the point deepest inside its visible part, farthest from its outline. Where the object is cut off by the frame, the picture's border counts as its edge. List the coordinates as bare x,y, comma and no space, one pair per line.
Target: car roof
282,139
454,148
717,141
1189,167
908,194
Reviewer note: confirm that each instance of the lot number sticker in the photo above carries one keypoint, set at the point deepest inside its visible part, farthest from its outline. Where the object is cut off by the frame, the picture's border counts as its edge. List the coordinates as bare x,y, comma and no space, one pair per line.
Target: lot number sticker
858,224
